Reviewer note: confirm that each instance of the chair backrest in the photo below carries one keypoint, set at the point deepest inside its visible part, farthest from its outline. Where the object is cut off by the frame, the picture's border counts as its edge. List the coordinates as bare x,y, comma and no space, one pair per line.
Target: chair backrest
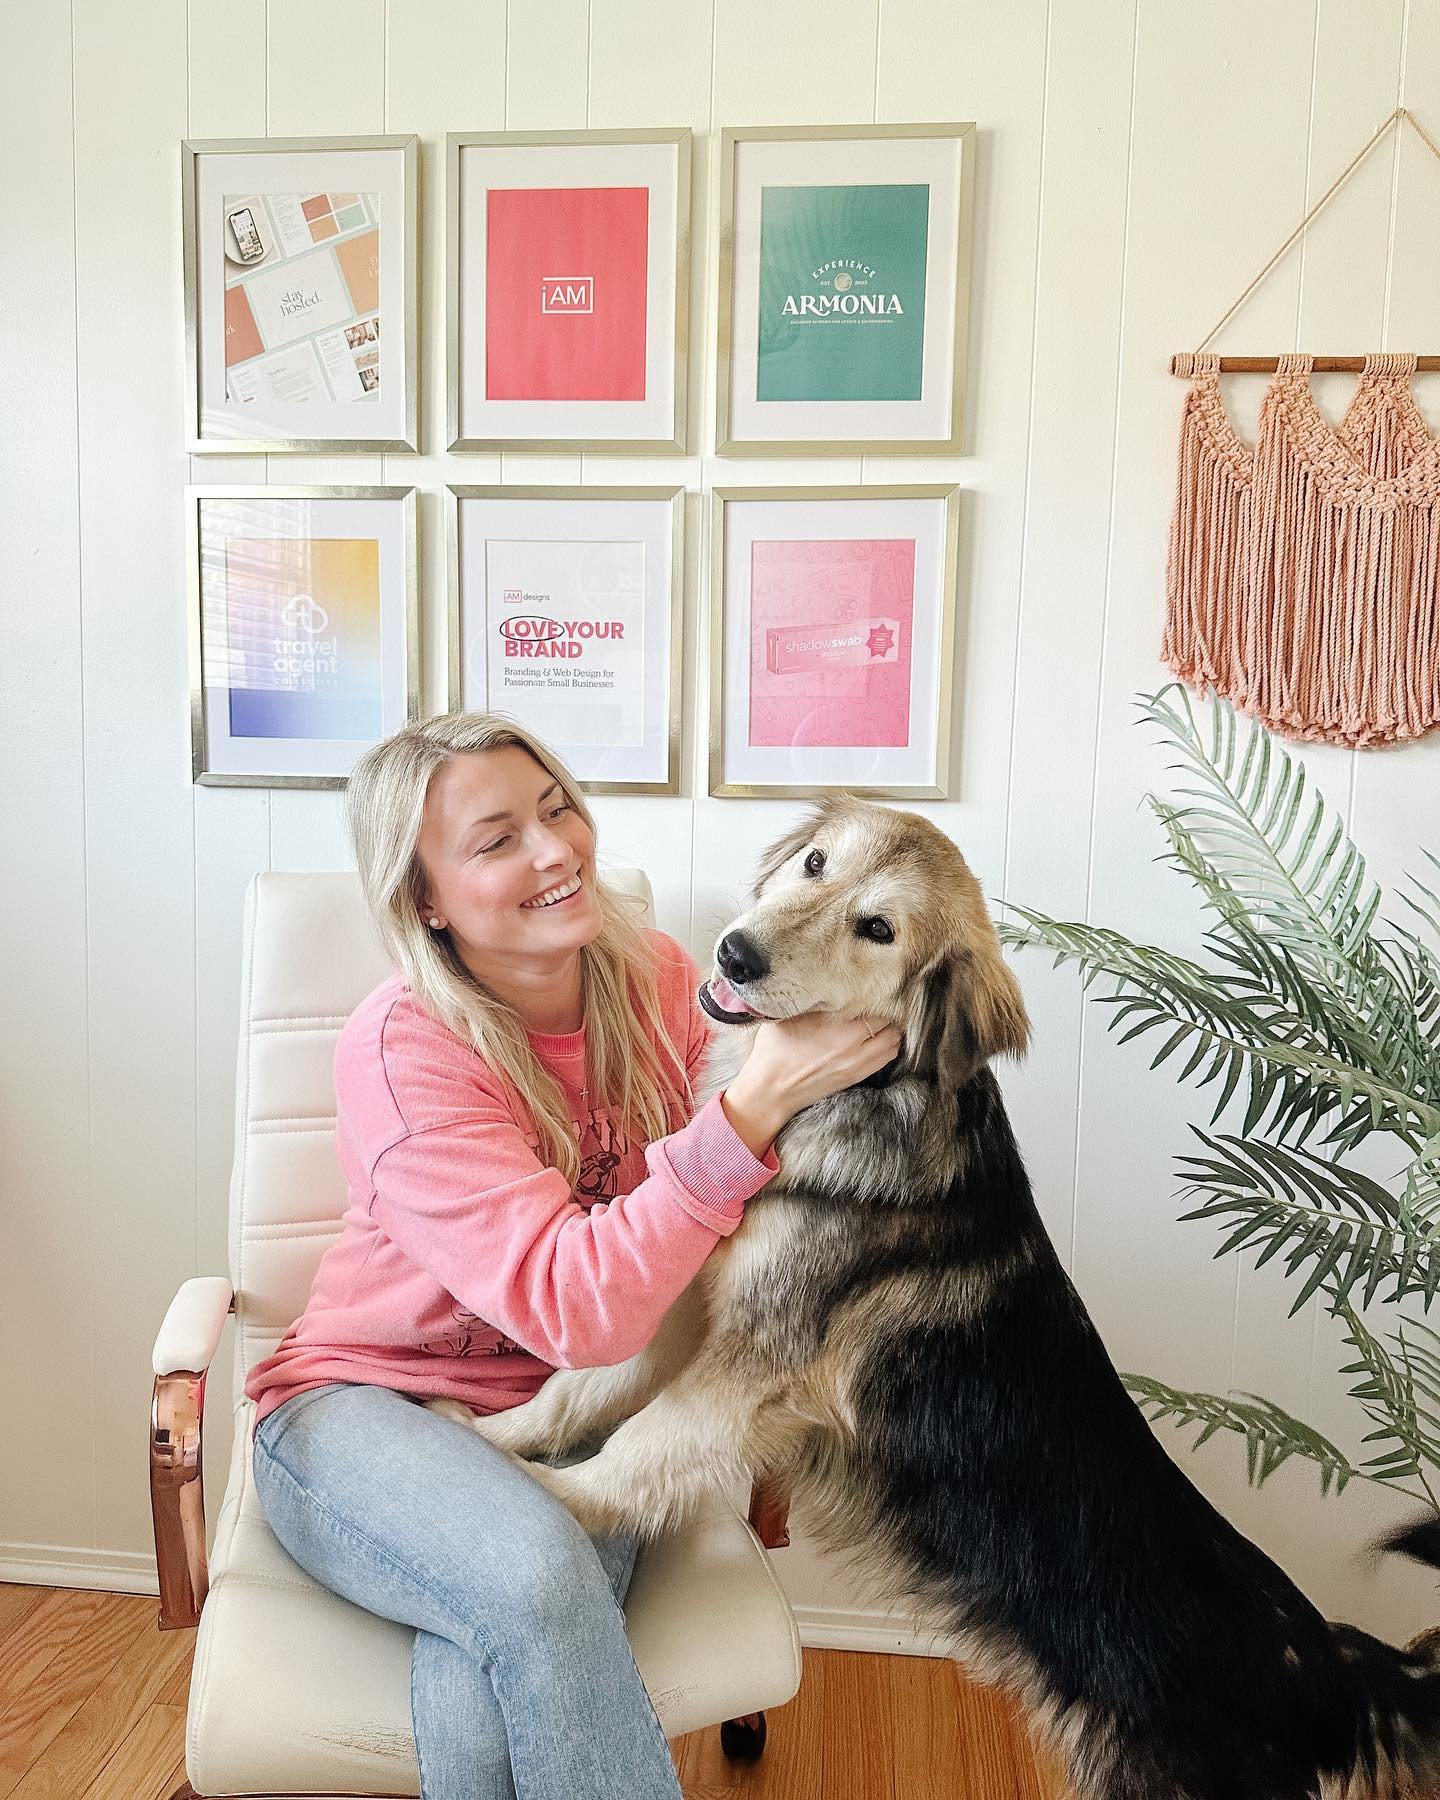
309,960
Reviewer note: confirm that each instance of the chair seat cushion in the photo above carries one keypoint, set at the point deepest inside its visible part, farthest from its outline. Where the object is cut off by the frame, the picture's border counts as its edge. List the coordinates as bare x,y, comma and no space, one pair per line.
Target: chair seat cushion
296,1691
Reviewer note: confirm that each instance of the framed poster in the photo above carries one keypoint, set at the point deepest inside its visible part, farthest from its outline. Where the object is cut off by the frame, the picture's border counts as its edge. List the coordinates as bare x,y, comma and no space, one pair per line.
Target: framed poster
300,295
304,630
565,611
844,289
567,257
833,641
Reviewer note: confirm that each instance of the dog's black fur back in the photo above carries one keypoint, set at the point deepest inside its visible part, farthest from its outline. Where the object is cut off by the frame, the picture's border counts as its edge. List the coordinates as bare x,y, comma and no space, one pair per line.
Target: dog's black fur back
1026,1494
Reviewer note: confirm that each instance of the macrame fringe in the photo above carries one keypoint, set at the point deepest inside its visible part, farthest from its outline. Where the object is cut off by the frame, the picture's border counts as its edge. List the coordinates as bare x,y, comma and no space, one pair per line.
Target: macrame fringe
1303,576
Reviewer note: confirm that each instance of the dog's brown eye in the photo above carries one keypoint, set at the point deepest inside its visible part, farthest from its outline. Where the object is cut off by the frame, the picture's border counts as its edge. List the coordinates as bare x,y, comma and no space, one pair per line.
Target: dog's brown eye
815,862
876,929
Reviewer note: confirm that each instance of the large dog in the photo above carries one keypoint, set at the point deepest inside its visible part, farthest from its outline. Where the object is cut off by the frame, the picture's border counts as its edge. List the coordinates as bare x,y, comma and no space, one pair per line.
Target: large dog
891,1335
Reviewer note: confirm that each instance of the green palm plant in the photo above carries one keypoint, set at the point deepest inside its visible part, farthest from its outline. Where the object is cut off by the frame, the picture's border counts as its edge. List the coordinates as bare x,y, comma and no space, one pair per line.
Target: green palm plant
1324,1020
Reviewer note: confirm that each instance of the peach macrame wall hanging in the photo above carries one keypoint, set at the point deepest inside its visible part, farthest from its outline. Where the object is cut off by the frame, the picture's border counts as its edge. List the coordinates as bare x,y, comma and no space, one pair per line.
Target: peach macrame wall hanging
1303,580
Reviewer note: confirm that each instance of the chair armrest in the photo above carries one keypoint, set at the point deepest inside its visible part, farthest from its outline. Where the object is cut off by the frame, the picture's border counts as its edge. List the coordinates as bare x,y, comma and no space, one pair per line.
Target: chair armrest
183,1352
190,1333
770,1513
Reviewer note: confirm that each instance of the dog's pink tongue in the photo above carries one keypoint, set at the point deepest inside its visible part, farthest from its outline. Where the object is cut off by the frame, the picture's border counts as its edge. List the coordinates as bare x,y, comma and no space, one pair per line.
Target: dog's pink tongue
725,996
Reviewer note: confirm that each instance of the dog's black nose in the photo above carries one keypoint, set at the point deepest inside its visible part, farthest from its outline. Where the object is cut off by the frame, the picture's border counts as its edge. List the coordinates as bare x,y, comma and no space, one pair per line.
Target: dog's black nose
741,958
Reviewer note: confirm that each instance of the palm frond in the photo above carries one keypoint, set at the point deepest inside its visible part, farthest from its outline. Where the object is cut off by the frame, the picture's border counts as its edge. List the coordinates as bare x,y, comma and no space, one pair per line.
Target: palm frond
1387,1395
1233,1032
1293,864
1345,1229
1271,1435
1420,1199
1297,876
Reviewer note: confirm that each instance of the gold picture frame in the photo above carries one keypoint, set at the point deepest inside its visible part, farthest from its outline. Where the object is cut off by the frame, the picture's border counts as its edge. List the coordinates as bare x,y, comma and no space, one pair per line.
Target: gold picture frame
674,608
940,635
460,439
856,440
203,409
205,745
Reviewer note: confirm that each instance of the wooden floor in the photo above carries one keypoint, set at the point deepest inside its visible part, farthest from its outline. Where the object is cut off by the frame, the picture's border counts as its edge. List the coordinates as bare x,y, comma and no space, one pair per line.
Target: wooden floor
92,1707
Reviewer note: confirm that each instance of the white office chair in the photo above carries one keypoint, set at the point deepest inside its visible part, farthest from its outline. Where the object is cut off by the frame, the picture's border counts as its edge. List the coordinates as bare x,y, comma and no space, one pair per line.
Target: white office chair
294,1691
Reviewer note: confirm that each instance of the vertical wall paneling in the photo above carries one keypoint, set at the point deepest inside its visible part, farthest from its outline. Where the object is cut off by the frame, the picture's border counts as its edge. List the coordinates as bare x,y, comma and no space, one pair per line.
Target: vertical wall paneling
431,91
1338,288
46,1272
1163,1306
226,98
139,828
1069,515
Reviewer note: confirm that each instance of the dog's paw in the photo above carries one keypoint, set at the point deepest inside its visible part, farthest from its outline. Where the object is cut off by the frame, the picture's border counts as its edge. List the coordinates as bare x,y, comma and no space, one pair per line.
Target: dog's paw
570,1488
453,1409
508,1432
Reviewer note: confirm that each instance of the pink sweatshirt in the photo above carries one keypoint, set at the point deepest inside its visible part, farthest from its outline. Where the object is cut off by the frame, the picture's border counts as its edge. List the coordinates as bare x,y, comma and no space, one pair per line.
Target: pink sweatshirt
465,1266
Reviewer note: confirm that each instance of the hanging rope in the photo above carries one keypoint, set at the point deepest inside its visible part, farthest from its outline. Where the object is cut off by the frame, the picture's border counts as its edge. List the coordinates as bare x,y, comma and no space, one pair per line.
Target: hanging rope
1334,188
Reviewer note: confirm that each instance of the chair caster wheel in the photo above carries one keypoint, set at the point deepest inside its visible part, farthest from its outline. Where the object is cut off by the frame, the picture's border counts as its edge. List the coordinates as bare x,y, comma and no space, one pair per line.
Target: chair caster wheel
743,1739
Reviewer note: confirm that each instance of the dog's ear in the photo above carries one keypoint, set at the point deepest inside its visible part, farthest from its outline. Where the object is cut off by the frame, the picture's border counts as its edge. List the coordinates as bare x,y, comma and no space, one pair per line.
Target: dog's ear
779,853
967,1008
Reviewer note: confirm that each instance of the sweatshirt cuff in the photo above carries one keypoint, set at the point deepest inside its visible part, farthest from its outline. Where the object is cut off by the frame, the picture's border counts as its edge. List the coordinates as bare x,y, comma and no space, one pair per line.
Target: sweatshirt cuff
711,1172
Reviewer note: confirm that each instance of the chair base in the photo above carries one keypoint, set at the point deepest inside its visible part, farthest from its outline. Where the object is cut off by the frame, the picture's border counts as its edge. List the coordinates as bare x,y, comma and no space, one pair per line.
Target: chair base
742,1740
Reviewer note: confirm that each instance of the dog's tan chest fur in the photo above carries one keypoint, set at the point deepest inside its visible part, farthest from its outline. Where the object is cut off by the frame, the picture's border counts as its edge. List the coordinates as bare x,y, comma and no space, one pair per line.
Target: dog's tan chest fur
743,1264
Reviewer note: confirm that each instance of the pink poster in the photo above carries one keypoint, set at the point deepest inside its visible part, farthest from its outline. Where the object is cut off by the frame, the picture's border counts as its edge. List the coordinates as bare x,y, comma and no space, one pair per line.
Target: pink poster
566,284
830,641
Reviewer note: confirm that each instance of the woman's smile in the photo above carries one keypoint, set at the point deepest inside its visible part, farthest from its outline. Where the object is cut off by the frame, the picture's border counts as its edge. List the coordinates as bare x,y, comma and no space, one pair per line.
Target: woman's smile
552,897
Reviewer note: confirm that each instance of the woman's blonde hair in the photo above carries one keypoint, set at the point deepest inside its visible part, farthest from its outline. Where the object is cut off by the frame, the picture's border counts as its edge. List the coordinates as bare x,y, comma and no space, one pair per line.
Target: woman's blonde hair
645,1088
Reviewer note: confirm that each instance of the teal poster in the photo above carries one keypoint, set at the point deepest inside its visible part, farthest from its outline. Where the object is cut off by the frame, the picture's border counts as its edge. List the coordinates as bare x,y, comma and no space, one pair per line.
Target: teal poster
842,292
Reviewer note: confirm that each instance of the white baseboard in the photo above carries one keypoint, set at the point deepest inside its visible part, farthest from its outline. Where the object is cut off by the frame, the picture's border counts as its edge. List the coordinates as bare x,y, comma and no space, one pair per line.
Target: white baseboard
831,1628
58,1565
120,1572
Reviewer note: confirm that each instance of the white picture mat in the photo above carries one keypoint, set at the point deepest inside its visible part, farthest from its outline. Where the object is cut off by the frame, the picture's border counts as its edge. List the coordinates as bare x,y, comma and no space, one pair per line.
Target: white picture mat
843,162
218,173
748,522
227,517
651,522
486,166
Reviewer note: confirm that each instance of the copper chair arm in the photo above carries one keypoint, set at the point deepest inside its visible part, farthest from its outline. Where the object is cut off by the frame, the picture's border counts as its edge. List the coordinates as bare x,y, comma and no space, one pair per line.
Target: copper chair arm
177,1496
770,1513
177,1424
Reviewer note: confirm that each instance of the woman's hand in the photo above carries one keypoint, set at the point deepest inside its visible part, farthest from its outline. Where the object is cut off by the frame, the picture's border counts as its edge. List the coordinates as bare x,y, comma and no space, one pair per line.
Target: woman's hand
795,1062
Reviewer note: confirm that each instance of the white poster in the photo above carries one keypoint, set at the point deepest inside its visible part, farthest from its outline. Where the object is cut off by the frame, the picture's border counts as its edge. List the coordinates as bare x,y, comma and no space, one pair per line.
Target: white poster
565,639
565,615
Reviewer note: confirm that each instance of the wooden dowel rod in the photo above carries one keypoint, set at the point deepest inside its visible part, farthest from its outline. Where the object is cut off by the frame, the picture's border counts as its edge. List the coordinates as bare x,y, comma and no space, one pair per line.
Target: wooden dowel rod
1267,365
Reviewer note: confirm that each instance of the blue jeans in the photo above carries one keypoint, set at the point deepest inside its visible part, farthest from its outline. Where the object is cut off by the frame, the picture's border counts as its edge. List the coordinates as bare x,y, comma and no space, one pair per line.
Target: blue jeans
522,1683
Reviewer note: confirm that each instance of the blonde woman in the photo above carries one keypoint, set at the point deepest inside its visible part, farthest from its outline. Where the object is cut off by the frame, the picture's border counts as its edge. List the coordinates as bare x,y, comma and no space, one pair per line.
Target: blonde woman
528,1191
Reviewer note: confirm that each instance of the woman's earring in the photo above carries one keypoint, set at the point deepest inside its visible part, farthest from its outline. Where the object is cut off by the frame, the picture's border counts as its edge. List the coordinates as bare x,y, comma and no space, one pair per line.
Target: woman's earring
434,924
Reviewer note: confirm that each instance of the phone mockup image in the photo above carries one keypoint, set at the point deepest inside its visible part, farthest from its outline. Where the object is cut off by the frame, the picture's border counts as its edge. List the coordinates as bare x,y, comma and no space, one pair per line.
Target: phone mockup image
246,232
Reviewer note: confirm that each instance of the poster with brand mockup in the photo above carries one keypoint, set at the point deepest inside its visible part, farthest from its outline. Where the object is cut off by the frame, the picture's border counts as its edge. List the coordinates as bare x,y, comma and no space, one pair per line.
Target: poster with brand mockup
302,322
566,264
842,292
833,640
830,641
845,274
565,617
300,273
304,628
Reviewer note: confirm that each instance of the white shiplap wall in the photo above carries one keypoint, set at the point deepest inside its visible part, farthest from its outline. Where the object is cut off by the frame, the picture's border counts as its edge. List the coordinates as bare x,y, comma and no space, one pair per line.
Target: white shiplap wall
1137,161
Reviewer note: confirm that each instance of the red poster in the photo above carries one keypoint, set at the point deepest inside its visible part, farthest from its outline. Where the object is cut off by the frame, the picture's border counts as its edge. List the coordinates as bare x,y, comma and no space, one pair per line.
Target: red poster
565,293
